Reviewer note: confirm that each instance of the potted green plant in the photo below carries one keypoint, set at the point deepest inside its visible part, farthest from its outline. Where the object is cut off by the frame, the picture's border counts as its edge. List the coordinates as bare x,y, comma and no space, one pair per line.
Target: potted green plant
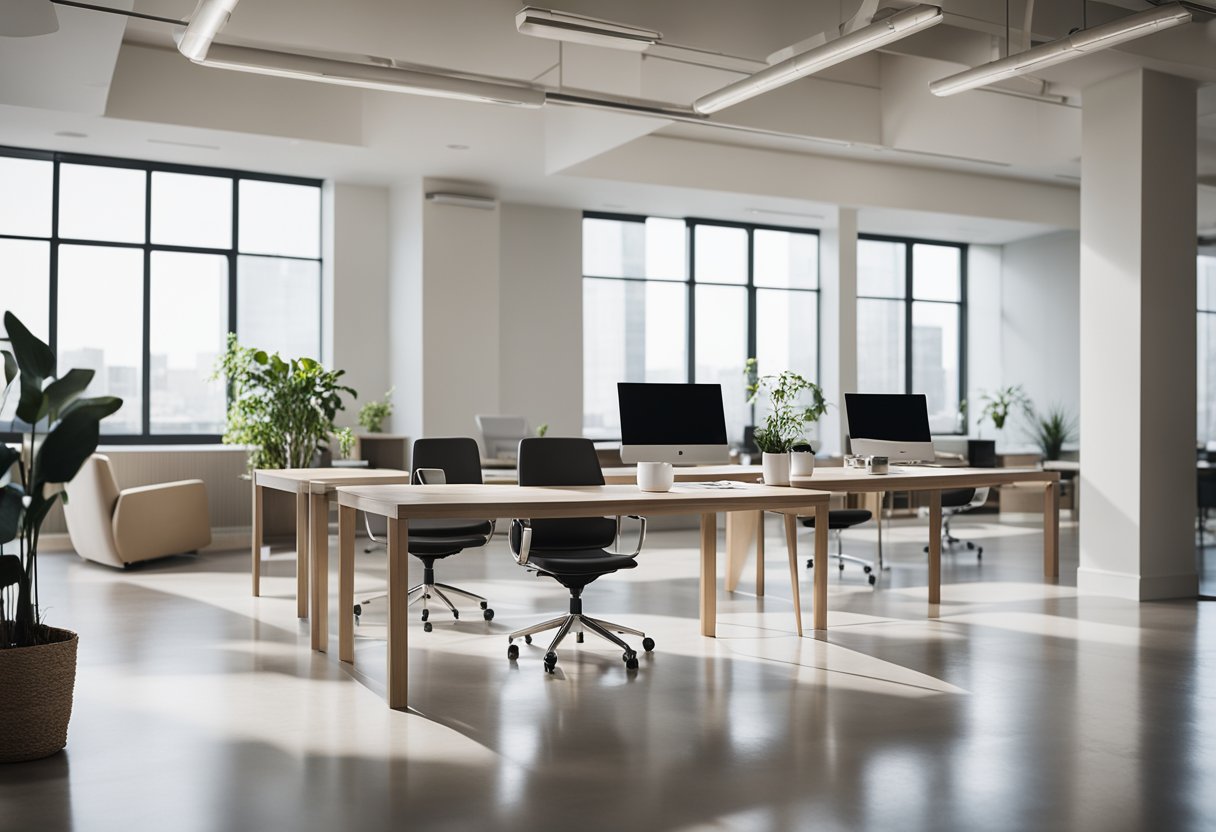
37,661
787,419
1052,430
999,405
373,414
283,409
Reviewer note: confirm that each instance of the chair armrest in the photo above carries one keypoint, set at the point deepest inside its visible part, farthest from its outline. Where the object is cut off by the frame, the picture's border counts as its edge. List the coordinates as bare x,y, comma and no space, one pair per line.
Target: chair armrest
430,476
165,519
641,533
525,541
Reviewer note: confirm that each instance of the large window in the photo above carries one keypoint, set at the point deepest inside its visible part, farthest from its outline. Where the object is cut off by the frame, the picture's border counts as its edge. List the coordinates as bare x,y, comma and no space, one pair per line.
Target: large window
139,270
678,300
911,316
1206,364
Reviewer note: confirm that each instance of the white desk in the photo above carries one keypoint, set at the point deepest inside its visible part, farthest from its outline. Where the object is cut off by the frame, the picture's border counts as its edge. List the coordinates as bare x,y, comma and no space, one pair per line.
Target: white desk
402,503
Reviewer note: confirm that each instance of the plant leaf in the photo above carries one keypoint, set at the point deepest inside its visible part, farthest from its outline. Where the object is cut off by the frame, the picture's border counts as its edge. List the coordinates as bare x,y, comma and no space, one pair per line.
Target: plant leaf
63,391
72,440
10,368
10,512
10,570
35,361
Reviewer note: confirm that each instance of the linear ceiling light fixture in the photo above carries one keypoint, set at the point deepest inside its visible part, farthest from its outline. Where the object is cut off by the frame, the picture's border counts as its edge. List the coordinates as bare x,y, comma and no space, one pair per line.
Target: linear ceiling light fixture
369,76
1093,39
866,39
576,28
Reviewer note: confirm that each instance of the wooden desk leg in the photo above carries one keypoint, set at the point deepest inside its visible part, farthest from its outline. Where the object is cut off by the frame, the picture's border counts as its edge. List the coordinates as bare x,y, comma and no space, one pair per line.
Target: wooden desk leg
935,547
257,539
740,530
820,611
791,548
1051,530
398,631
346,583
709,574
302,555
760,553
318,556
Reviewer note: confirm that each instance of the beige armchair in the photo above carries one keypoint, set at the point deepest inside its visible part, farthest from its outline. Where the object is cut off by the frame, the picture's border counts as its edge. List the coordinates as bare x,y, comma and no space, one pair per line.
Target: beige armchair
116,527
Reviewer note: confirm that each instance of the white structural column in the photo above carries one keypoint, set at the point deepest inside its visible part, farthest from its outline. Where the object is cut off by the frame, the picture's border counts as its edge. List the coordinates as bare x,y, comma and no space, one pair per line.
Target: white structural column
838,317
1138,246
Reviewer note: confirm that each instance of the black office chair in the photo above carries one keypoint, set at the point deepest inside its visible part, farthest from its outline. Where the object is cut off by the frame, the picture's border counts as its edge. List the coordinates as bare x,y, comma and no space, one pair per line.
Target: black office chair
838,520
956,501
436,461
572,551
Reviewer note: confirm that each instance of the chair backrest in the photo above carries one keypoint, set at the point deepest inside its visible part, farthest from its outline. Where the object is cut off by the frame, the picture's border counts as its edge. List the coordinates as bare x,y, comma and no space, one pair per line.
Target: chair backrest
562,461
559,461
89,511
458,456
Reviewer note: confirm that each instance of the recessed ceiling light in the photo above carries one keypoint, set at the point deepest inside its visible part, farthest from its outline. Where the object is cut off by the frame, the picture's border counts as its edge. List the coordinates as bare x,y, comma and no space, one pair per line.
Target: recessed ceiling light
71,134
185,144
777,212
457,147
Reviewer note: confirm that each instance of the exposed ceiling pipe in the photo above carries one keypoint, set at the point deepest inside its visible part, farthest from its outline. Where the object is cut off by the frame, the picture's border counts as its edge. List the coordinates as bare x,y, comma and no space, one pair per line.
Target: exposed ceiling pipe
210,16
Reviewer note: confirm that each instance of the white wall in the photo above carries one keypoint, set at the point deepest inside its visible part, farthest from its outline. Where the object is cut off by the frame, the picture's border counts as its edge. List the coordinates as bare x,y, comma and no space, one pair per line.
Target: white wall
984,341
355,289
540,358
405,307
1040,322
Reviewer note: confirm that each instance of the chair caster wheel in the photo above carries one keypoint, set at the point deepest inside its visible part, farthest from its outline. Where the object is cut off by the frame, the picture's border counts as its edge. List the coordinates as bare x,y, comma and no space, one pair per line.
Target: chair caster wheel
485,605
579,638
456,614
426,614
979,553
550,662
841,567
358,610
648,644
631,660
810,563
970,545
868,570
513,652
427,627
873,580
527,639
926,550
487,614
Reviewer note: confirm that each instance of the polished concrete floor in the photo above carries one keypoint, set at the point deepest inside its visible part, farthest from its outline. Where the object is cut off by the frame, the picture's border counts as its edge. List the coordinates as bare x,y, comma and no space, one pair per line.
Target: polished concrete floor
1022,707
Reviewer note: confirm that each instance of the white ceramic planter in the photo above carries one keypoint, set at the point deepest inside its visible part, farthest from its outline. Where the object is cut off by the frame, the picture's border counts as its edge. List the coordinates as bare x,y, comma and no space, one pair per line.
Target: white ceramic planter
802,464
776,469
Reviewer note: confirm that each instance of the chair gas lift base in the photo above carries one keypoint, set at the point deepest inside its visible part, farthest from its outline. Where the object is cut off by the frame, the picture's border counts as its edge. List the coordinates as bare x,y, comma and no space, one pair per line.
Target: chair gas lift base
838,521
956,502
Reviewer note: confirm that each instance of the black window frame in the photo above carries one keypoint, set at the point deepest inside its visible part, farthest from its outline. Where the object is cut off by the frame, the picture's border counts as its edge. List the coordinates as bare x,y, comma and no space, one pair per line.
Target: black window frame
232,254
909,300
690,283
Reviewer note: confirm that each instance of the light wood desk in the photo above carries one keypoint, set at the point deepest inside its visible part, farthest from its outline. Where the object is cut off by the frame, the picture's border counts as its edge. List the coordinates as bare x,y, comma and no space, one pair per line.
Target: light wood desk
312,488
934,481
402,503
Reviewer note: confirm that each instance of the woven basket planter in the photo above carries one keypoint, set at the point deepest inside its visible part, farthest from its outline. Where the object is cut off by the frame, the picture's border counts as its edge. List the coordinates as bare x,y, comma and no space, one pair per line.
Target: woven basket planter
36,697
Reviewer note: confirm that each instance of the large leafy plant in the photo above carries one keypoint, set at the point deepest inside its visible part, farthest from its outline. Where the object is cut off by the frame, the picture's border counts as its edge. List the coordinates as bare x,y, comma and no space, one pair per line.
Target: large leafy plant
785,425
283,409
64,430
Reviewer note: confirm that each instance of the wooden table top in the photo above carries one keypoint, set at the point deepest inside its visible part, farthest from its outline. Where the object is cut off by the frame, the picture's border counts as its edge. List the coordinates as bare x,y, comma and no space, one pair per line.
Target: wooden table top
324,480
911,478
474,501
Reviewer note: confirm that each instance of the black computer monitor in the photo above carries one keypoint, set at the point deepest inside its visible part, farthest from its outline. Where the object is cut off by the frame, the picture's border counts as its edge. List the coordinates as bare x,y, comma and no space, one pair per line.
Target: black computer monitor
894,425
679,423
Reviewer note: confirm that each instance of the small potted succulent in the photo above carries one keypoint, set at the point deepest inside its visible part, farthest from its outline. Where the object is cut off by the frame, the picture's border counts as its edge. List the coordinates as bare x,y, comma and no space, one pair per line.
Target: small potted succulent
787,420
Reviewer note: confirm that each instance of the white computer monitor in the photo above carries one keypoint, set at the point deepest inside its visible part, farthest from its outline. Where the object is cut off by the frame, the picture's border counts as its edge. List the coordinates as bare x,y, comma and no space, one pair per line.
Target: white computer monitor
683,424
500,435
893,425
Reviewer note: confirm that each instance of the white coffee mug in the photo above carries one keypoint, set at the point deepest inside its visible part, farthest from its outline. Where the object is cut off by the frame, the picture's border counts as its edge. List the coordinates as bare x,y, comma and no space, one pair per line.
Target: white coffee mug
655,476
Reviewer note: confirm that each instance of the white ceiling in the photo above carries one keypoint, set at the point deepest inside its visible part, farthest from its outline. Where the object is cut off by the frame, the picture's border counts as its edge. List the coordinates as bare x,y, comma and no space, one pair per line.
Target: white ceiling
133,96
